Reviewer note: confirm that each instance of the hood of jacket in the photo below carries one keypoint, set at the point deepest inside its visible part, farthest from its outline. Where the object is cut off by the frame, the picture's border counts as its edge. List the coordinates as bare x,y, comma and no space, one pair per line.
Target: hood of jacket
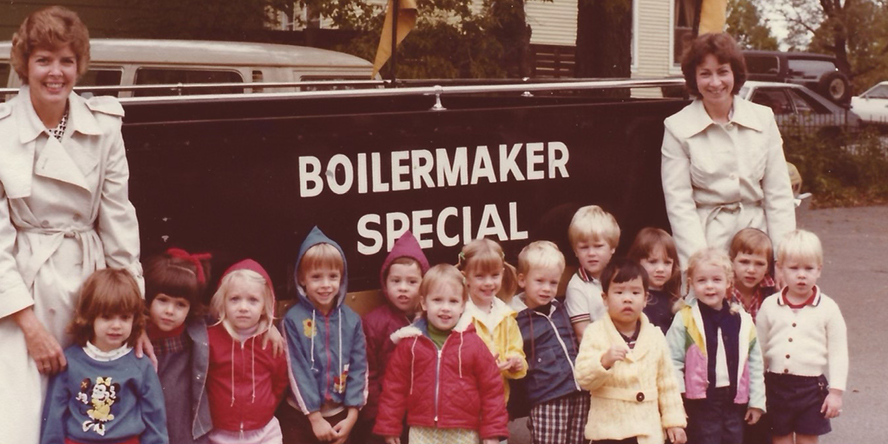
251,265
315,237
405,246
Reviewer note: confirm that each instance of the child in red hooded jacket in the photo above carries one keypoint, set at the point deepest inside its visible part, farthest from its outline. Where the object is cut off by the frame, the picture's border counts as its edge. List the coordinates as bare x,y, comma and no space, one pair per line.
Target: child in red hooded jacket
400,277
245,383
442,377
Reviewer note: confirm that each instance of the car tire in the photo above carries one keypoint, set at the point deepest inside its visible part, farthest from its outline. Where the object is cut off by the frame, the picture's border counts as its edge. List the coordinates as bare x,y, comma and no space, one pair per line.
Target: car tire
836,87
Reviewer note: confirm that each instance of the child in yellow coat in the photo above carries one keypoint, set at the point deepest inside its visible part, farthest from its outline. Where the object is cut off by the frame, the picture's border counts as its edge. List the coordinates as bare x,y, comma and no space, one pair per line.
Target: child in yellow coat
624,363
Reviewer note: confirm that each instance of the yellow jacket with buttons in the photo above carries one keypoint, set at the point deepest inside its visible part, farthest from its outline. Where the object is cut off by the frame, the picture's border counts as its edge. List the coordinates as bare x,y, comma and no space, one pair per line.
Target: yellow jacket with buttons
636,397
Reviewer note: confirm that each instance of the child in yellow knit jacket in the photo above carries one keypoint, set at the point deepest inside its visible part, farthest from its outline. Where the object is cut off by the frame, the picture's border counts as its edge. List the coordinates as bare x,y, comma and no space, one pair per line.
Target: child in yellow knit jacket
624,363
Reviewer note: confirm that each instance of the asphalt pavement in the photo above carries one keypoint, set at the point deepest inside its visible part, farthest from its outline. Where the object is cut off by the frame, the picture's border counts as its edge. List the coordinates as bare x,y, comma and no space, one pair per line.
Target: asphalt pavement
855,274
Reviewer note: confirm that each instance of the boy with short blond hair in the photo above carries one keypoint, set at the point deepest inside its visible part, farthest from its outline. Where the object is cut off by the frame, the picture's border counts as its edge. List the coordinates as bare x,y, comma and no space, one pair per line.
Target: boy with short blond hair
802,333
594,235
558,407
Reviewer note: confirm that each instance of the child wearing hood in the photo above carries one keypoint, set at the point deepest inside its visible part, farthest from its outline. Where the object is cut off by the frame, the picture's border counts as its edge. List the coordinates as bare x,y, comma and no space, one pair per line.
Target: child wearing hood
400,277
325,347
245,383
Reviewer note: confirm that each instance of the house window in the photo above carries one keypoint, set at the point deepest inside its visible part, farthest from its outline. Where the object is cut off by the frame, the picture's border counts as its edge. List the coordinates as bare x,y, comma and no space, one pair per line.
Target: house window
683,27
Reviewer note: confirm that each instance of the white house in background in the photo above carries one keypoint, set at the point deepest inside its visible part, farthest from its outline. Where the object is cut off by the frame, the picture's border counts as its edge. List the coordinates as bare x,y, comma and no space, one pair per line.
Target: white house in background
658,29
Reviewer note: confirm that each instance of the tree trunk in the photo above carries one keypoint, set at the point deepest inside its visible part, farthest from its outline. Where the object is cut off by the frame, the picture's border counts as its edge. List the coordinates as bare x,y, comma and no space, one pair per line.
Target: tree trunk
513,33
604,38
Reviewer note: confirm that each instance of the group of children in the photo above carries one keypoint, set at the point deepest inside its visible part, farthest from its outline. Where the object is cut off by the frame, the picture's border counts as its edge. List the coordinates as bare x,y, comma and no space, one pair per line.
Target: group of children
624,358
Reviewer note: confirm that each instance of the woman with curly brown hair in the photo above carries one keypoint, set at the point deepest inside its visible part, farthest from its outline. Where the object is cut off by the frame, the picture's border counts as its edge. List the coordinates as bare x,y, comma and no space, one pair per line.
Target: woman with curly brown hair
64,208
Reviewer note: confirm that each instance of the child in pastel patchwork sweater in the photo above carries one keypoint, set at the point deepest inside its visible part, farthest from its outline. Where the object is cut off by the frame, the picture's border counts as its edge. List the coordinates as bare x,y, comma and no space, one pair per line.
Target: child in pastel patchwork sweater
716,353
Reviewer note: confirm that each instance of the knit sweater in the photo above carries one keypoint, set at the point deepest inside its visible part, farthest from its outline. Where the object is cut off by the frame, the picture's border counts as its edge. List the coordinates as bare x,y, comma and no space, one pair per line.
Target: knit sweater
636,397
95,401
804,341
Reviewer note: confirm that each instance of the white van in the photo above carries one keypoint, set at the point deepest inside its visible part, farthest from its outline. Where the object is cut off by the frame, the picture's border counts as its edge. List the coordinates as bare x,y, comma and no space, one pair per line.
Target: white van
168,62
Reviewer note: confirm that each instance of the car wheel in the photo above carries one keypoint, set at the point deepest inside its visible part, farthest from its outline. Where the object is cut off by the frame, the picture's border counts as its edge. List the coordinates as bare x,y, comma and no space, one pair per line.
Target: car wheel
836,87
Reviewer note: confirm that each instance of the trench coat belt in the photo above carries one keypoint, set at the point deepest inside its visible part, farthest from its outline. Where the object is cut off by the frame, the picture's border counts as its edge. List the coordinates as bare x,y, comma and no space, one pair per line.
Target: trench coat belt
730,208
627,394
90,243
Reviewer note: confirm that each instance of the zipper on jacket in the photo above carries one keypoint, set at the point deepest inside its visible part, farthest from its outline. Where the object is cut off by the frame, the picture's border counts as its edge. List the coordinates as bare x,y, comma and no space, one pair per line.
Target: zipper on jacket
563,347
438,373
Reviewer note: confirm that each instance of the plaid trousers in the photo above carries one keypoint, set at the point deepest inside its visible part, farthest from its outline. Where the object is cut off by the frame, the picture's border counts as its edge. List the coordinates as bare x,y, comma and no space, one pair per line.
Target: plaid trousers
560,421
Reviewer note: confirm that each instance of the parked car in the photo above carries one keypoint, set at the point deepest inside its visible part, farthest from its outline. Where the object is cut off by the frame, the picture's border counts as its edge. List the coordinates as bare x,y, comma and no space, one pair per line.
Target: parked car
796,106
143,62
872,106
815,71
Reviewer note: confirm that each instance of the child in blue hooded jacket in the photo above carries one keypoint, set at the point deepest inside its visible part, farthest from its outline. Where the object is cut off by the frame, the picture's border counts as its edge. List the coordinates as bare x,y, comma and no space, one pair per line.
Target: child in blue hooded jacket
325,347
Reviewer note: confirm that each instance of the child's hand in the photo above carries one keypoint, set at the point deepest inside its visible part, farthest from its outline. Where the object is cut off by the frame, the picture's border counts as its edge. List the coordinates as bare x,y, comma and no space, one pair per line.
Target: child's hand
321,428
490,441
753,415
832,406
392,440
273,337
343,428
676,435
614,354
515,364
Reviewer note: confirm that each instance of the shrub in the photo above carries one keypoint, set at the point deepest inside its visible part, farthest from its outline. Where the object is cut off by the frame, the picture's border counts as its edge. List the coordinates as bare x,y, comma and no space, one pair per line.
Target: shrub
840,168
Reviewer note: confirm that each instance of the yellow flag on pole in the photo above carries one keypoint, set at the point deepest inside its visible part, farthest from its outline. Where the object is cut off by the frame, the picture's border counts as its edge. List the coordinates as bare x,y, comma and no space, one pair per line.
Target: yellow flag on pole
406,23
712,16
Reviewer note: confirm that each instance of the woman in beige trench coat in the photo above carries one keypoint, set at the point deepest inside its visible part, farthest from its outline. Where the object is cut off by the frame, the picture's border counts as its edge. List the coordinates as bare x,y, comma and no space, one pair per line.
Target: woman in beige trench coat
64,209
723,167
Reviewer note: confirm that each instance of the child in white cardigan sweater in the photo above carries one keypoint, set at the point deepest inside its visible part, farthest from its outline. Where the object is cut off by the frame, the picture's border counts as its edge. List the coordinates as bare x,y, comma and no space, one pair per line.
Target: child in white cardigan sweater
624,363
802,333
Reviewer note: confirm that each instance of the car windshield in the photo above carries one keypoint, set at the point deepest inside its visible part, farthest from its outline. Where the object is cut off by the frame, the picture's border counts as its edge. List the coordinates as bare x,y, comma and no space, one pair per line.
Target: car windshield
878,92
804,103
810,69
757,64
775,99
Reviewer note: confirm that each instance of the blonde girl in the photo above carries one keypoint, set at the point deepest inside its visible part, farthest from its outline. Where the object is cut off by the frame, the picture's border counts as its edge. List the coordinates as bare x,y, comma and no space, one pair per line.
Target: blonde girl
245,382
492,282
654,249
716,352
106,393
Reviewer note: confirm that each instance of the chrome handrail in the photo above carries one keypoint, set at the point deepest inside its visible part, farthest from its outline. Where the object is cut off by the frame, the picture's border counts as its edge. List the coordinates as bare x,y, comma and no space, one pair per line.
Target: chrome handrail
375,88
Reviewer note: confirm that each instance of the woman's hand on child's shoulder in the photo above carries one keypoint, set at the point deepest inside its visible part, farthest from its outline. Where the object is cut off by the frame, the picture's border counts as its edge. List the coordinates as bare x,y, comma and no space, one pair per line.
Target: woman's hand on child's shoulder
612,355
676,435
753,415
392,440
